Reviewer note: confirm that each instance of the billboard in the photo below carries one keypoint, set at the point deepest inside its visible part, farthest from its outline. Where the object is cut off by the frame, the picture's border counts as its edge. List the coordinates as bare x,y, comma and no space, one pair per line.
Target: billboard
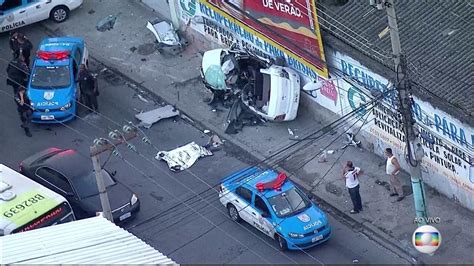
287,28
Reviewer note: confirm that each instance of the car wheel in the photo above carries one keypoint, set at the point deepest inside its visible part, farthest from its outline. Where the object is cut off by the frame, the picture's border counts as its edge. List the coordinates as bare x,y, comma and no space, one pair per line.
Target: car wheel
233,213
59,14
282,245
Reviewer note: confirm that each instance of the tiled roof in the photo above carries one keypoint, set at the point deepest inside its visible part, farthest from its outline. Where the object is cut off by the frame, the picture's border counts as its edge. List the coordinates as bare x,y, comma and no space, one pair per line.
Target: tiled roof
436,36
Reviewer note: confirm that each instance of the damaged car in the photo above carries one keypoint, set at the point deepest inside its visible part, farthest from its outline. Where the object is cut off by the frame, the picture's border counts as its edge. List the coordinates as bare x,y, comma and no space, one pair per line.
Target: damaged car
267,87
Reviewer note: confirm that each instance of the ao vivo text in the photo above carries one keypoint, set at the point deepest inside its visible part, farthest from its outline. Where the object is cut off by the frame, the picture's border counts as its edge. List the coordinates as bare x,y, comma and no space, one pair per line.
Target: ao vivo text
427,220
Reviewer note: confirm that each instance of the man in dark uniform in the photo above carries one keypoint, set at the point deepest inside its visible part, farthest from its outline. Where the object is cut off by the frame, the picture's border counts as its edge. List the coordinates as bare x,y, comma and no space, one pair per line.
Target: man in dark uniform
88,87
17,72
20,45
24,109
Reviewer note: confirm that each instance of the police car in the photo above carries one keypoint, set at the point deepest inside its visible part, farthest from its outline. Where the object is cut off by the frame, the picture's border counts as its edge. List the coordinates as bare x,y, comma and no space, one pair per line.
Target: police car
18,13
270,202
52,86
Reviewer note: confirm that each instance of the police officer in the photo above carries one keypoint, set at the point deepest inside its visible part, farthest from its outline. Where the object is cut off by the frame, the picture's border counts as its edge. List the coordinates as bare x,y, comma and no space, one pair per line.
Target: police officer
24,109
17,72
89,90
13,43
20,45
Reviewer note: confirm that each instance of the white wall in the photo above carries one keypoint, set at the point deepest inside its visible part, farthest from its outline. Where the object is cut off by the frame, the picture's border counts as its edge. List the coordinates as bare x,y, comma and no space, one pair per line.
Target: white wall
160,6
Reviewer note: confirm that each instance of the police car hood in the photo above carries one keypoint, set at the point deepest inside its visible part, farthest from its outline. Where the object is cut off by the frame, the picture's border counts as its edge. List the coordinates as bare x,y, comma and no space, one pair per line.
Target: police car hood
303,222
56,98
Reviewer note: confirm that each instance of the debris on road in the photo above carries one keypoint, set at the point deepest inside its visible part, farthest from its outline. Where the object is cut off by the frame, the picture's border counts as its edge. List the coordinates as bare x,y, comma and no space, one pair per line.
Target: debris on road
143,99
323,157
183,157
206,131
214,143
239,116
106,23
90,12
167,37
290,132
147,119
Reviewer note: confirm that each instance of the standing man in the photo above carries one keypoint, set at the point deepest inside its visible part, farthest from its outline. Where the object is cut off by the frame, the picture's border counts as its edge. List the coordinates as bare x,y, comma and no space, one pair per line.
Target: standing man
13,43
393,169
24,109
17,72
23,47
88,88
351,175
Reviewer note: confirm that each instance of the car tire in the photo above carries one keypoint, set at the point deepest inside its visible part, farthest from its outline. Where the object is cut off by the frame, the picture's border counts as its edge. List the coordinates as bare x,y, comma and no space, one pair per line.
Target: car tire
233,213
59,14
282,245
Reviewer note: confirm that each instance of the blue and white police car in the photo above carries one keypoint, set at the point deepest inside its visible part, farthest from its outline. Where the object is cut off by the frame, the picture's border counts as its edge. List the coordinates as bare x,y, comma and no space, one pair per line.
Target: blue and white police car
270,202
52,86
19,13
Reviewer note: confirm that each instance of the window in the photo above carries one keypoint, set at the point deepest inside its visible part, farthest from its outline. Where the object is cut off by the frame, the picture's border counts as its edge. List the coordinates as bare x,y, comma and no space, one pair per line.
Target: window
54,178
50,77
289,203
10,4
261,205
244,193
86,186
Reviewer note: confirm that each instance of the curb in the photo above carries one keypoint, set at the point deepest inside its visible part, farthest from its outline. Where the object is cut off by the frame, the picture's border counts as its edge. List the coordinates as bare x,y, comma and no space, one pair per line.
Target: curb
367,229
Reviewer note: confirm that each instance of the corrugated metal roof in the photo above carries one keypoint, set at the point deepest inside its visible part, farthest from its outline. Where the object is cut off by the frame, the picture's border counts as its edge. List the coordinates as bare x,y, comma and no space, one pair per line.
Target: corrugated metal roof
436,37
89,241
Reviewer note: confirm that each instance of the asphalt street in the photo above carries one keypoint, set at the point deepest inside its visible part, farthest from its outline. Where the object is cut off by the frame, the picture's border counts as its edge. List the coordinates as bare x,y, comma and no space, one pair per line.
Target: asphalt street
180,214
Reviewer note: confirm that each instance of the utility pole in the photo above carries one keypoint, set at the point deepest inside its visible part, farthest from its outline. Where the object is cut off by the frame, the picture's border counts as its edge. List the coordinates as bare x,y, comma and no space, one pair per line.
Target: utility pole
100,146
414,150
174,14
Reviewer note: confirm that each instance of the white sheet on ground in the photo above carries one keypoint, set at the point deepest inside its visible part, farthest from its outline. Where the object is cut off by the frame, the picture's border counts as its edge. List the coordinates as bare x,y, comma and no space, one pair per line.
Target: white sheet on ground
183,157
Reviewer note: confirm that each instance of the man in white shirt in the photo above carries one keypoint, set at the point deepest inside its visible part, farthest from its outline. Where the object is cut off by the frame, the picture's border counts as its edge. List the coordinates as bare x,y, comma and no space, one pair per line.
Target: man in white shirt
393,169
351,175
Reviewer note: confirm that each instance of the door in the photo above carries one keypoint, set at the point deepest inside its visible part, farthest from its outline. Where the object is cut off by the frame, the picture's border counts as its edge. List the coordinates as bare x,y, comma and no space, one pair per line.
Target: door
12,15
243,203
262,216
37,10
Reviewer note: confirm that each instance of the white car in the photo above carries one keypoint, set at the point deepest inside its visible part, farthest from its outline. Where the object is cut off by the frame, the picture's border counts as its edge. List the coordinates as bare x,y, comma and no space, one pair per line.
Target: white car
18,13
272,91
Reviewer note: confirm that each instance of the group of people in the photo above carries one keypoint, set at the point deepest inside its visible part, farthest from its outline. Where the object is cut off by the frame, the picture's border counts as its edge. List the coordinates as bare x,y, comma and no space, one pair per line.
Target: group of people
351,176
18,72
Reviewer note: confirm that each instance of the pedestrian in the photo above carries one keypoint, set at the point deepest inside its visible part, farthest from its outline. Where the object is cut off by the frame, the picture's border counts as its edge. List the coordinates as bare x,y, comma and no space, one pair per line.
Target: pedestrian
351,175
17,73
24,109
88,87
20,45
13,44
393,169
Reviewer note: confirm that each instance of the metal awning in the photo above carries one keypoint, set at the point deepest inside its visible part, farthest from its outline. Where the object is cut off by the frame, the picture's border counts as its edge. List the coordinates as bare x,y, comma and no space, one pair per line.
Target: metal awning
89,241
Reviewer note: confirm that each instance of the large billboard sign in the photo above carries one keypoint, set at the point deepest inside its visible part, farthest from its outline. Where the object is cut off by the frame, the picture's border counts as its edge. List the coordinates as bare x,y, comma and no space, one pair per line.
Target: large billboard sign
287,28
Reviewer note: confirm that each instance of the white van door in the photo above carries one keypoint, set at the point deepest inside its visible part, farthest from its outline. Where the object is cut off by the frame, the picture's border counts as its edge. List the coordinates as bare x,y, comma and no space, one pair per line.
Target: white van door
12,15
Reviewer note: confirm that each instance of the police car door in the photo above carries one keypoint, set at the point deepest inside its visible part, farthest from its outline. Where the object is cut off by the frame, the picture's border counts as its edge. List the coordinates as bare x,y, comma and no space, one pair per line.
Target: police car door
243,202
261,216
12,15
37,10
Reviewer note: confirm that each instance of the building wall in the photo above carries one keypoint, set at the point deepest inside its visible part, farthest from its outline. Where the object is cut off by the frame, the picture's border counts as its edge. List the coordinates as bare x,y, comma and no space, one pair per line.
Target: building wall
448,143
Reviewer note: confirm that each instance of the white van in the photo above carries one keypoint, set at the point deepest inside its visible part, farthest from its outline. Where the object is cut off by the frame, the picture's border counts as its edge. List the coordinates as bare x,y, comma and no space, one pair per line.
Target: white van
18,13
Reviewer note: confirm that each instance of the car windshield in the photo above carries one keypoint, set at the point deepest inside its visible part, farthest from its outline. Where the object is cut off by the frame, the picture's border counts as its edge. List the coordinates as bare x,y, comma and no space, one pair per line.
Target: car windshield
288,203
48,77
86,186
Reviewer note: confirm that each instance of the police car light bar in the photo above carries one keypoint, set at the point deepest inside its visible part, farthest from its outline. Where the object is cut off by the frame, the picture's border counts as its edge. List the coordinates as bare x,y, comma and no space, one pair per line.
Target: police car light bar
59,55
274,184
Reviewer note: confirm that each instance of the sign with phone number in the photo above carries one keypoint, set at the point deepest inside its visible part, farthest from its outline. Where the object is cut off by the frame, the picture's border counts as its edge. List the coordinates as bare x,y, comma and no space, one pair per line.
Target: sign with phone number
27,206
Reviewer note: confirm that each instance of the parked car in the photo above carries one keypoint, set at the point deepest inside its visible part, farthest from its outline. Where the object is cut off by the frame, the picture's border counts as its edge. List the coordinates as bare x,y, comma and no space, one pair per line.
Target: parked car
19,13
52,86
270,90
71,175
271,203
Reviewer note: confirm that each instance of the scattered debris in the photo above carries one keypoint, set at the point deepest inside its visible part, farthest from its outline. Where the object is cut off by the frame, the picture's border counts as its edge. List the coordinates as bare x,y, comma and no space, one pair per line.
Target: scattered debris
323,157
149,118
350,140
330,151
355,261
206,131
133,49
143,99
106,23
239,116
183,157
92,11
143,59
290,132
168,39
214,143
383,183
146,49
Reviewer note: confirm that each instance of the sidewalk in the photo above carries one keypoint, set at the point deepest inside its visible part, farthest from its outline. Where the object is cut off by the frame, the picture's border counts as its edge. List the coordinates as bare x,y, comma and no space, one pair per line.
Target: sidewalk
176,80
